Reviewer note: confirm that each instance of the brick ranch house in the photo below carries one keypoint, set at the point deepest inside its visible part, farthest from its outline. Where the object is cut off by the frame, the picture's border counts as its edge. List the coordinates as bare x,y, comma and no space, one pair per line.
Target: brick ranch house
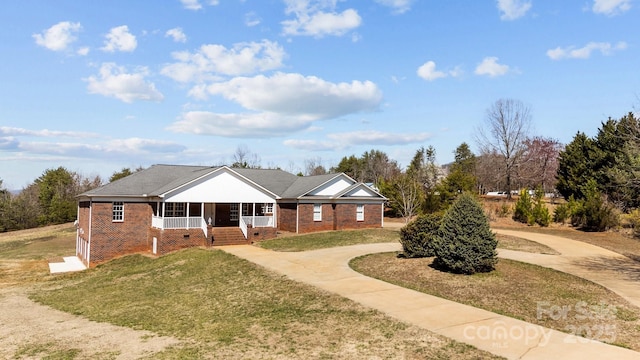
169,207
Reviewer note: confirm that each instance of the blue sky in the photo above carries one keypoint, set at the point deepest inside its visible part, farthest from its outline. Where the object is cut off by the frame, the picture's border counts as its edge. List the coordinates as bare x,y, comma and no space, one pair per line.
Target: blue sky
96,86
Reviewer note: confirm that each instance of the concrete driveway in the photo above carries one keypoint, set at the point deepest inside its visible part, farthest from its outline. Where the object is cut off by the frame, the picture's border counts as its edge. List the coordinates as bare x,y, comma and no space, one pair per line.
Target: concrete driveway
328,269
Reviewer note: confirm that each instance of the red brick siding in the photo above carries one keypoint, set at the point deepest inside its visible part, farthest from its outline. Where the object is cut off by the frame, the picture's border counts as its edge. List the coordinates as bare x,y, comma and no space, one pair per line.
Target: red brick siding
261,233
306,223
338,217
176,239
287,217
110,239
346,216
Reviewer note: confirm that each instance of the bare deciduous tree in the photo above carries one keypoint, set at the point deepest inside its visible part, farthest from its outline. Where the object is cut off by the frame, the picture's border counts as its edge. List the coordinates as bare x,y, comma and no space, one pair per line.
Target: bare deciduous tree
314,167
244,158
504,131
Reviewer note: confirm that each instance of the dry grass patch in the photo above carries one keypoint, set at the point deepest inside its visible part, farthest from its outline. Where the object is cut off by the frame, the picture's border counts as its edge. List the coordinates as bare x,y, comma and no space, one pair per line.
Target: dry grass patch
220,306
25,254
528,292
520,244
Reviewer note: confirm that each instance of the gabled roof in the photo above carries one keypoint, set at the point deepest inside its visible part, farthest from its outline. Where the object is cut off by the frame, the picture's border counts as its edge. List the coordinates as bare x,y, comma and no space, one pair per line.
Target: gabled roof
305,184
158,180
274,180
152,181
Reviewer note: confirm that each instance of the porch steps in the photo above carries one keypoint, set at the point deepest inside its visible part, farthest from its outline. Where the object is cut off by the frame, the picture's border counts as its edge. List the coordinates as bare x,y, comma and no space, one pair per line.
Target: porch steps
228,236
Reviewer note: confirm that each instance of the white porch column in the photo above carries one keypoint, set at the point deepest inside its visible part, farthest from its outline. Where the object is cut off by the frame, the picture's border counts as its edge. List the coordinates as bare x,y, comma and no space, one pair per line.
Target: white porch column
187,213
274,213
163,212
253,215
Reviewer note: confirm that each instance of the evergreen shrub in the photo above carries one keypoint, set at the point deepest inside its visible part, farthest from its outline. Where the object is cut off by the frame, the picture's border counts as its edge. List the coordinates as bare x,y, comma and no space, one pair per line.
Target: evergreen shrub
416,236
464,243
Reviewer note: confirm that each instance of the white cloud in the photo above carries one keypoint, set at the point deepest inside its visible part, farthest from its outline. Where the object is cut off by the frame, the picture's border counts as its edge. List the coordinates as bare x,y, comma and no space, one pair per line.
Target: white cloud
14,131
428,72
195,4
176,34
611,7
247,125
120,39
59,36
584,52
312,145
373,137
311,18
83,51
398,6
99,147
348,139
211,60
115,81
513,9
279,105
252,19
140,145
490,66
297,95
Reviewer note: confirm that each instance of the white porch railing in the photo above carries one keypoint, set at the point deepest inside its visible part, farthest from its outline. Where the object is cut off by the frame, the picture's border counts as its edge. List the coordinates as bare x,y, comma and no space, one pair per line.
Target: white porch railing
192,222
243,226
258,221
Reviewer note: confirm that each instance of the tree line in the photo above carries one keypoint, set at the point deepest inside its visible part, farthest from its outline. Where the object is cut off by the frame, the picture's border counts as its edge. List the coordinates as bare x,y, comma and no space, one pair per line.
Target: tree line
605,167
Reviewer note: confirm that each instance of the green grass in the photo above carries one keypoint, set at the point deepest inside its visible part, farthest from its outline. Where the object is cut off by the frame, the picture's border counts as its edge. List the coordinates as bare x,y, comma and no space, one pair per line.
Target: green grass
40,246
46,351
330,239
523,291
225,307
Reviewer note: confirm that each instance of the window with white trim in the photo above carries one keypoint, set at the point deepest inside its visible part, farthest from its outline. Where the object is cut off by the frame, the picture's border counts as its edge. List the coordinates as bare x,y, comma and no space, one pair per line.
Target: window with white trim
360,212
233,212
247,209
267,208
117,211
175,209
317,212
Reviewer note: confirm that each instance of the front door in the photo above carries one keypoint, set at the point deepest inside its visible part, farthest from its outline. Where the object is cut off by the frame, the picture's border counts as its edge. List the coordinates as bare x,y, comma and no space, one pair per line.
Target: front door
227,215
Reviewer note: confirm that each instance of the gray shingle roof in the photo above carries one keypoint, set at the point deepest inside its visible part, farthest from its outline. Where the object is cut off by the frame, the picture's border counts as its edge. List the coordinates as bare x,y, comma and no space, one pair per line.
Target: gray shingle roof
304,184
152,181
159,179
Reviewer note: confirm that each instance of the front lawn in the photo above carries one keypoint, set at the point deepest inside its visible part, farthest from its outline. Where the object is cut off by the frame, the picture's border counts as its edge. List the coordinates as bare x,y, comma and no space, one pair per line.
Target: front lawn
528,292
225,307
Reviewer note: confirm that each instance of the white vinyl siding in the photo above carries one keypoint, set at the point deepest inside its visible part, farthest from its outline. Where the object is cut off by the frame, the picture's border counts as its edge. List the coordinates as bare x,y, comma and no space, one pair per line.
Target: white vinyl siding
360,212
317,212
117,211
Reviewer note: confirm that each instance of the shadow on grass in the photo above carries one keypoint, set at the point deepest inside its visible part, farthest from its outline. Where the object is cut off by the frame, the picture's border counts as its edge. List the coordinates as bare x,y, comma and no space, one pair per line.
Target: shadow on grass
628,269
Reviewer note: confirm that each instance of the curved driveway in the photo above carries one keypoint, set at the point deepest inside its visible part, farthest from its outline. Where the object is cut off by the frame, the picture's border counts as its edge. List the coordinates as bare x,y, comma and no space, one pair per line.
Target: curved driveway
601,266
328,269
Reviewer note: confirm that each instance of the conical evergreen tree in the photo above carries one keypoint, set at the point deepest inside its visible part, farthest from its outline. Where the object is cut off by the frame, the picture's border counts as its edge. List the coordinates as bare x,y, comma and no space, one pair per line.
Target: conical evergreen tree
464,243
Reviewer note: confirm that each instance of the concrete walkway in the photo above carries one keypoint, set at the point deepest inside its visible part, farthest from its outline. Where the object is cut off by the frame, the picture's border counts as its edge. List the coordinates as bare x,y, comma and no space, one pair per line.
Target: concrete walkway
71,263
328,269
601,266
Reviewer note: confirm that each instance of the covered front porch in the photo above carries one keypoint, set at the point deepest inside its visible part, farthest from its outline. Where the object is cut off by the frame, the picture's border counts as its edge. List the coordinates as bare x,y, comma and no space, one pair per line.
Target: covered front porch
188,215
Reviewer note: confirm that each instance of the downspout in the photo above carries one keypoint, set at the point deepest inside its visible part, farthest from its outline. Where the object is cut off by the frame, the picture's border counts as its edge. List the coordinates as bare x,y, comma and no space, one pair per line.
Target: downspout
78,230
382,215
297,215
90,227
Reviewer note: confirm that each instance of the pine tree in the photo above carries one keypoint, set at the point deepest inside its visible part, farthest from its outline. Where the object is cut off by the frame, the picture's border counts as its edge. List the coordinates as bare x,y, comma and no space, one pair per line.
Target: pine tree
417,236
464,243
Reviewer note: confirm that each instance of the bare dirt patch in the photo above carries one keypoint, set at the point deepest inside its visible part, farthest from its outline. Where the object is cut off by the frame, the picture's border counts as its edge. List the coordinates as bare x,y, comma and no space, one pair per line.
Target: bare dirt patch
31,330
